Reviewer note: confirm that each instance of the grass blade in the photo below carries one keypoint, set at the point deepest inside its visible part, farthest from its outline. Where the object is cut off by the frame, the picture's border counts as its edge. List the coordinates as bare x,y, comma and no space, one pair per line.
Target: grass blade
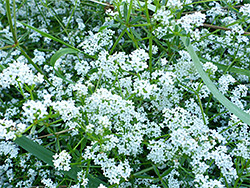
12,29
46,156
32,147
232,69
60,53
56,39
229,105
50,36
56,56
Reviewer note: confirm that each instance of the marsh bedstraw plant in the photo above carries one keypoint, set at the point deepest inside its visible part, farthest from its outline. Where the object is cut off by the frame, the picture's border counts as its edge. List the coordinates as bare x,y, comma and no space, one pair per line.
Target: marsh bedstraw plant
108,93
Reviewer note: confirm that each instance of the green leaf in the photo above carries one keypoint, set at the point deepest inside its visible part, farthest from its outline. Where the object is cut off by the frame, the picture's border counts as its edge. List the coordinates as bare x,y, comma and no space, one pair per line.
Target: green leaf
187,42
50,36
232,69
60,53
56,56
136,34
32,147
47,156
136,20
229,105
117,25
125,10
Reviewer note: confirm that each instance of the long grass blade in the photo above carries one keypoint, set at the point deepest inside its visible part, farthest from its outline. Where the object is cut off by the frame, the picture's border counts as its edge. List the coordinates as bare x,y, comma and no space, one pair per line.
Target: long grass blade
50,36
221,98
47,156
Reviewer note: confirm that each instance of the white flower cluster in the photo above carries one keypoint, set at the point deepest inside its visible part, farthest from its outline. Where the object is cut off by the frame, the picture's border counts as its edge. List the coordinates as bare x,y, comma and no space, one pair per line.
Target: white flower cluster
62,161
191,137
237,94
237,132
190,21
81,178
19,73
138,60
8,148
176,4
245,10
96,42
133,117
126,122
39,57
111,169
34,110
9,129
235,28
224,81
48,183
210,67
162,16
66,109
215,11
144,88
185,68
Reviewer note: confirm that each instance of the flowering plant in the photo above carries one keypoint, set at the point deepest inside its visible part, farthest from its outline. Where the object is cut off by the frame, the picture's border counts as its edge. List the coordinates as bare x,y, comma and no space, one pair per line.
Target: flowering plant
124,93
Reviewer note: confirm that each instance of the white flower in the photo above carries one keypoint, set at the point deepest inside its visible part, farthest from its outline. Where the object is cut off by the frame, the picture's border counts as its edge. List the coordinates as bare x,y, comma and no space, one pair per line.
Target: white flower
245,10
104,120
34,110
9,129
101,186
208,66
174,4
81,25
18,72
66,109
49,183
96,42
62,161
81,178
138,60
163,16
189,21
224,82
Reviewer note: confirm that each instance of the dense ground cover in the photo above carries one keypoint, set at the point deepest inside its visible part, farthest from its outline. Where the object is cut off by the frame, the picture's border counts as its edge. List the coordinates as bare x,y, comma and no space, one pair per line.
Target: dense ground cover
124,93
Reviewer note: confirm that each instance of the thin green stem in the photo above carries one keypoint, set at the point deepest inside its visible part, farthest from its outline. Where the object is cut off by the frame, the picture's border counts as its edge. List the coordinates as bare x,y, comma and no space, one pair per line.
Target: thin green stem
202,111
78,144
150,37
117,41
129,11
35,66
12,29
6,47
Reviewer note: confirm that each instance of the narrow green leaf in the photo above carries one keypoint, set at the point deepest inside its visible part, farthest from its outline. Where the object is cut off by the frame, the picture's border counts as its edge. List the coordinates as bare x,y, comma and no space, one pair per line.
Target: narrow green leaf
32,147
50,36
60,53
47,156
143,171
232,69
56,56
12,29
136,20
117,25
56,39
136,34
125,10
187,41
94,182
229,105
